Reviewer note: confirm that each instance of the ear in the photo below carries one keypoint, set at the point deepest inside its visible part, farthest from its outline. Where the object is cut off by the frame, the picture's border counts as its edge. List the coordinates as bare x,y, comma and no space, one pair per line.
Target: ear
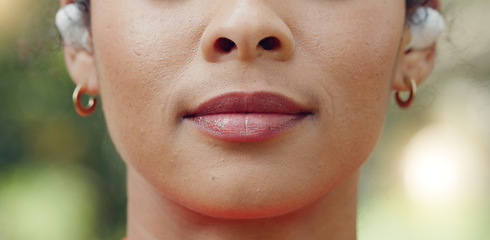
81,67
80,64
415,63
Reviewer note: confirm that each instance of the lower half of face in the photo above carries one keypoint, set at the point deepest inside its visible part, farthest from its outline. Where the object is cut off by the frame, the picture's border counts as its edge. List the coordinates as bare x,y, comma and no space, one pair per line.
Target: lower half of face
240,128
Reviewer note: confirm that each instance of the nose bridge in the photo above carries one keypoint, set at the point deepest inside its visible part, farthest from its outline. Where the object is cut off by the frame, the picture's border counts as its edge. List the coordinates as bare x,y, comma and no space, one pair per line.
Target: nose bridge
247,28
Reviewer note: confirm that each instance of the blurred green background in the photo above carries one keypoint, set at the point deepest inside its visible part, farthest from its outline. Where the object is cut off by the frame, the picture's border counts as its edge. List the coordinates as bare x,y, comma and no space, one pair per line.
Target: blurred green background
60,177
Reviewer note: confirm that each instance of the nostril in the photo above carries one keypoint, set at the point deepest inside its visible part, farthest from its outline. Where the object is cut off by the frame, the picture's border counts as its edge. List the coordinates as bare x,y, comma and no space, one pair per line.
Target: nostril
270,43
224,44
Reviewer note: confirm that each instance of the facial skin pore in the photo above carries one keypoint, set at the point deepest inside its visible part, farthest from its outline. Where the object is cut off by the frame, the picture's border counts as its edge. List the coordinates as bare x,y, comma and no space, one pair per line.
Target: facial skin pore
157,60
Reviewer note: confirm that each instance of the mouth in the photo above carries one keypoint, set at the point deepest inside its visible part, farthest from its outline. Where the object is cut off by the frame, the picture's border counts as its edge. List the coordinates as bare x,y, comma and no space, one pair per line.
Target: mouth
247,117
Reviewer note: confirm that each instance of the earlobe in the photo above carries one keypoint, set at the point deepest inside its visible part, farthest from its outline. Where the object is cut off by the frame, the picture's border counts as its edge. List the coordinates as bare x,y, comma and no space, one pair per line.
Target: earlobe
414,64
81,67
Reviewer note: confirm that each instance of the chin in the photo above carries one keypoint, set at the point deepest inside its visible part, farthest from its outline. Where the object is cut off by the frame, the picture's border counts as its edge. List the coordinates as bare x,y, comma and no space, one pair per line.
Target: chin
251,183
249,202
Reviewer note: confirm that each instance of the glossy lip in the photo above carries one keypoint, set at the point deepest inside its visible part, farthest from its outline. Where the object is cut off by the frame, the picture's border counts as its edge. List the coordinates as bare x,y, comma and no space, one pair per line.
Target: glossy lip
247,116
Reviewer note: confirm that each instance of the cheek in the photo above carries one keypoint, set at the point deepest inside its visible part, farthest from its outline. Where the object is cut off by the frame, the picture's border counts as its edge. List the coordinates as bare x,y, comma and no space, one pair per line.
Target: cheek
358,52
136,64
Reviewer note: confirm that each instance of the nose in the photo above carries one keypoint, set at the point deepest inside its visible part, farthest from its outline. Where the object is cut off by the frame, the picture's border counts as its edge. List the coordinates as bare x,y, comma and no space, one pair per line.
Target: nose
246,29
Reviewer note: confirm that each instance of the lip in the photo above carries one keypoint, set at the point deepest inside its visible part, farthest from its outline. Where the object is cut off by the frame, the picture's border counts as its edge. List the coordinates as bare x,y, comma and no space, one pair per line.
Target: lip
247,116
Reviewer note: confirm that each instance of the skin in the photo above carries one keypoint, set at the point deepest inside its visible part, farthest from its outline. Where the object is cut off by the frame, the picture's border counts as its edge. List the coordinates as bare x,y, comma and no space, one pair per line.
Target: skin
154,61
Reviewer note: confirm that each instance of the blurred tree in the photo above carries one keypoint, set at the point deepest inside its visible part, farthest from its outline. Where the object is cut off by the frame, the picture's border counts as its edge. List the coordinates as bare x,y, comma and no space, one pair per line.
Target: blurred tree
38,125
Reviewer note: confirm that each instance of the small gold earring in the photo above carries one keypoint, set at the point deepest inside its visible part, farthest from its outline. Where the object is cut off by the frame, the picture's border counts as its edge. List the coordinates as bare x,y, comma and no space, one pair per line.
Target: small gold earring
413,92
82,110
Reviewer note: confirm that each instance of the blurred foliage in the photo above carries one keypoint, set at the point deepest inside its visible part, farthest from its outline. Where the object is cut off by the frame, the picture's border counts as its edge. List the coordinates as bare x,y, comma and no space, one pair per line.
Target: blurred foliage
456,95
42,139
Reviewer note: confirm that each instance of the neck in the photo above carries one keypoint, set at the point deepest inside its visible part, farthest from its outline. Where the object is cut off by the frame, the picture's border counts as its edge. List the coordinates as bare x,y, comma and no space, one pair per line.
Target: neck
153,216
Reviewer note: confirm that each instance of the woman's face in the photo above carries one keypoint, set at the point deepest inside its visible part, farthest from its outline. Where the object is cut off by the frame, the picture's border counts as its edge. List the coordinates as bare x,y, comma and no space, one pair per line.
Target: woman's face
158,62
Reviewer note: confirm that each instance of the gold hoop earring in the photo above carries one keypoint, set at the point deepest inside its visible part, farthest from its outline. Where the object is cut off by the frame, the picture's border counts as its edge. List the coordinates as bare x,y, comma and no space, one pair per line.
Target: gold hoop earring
82,110
413,92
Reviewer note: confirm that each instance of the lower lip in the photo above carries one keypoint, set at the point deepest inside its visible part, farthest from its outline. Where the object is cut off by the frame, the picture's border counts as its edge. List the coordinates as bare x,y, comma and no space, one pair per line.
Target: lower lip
246,127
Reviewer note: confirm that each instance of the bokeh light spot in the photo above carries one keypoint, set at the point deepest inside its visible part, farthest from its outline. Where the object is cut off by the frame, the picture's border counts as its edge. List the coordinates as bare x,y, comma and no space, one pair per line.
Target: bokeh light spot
438,163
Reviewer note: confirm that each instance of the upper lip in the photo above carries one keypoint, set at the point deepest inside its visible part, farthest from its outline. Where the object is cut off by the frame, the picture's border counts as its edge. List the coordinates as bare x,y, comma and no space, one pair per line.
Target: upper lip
249,102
